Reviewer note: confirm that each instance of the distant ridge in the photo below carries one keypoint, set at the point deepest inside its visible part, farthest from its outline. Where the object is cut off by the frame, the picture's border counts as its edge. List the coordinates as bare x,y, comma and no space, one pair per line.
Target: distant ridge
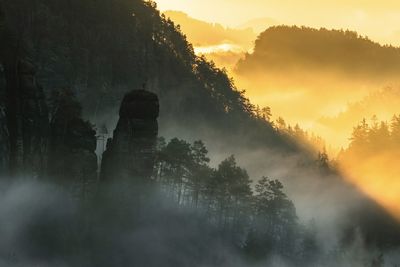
259,24
290,48
204,33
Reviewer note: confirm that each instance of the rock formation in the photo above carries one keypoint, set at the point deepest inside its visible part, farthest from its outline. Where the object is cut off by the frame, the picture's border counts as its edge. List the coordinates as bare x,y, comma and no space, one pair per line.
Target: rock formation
130,154
34,119
24,103
4,136
4,143
27,119
72,143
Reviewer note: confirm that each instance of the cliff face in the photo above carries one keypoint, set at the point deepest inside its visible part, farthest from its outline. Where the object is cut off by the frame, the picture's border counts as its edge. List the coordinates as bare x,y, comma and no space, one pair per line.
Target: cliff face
27,119
33,120
63,148
4,136
24,102
29,145
72,143
130,153
4,143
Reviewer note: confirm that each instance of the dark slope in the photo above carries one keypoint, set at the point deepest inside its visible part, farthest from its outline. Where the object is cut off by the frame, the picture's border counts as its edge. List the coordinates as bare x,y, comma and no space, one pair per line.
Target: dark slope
102,49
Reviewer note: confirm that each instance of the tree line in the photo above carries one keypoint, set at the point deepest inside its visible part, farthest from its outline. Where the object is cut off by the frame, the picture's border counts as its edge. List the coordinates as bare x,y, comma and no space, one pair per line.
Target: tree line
292,48
256,215
373,137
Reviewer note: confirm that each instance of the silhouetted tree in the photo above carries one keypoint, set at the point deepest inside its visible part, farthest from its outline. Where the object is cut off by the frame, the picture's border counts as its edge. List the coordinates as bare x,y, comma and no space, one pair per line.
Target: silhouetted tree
275,220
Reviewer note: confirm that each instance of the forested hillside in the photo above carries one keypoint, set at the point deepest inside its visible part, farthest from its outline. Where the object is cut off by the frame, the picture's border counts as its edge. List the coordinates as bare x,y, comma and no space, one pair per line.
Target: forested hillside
346,52
371,160
322,69
382,104
102,49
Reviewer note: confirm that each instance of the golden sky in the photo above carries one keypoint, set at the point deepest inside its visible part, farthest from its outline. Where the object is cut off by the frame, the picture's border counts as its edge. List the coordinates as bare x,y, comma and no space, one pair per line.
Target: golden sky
380,20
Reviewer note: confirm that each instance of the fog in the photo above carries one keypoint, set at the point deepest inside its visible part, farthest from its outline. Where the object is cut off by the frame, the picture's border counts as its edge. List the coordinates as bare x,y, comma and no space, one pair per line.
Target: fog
331,106
332,200
41,224
315,99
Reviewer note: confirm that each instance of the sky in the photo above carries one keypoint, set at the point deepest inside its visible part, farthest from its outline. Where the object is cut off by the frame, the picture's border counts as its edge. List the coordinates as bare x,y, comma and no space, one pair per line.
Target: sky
380,20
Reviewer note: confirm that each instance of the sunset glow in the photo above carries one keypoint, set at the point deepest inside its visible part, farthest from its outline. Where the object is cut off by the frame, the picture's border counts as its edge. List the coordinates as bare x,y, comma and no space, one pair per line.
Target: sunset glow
217,49
377,19
321,101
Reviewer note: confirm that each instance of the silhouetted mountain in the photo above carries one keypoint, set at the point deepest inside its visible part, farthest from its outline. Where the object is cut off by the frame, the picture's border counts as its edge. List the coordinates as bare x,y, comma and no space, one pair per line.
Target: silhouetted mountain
298,48
258,25
202,33
319,68
224,46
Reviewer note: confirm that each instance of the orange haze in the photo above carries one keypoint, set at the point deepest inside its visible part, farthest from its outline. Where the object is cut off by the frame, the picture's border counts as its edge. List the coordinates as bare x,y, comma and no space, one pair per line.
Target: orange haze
325,102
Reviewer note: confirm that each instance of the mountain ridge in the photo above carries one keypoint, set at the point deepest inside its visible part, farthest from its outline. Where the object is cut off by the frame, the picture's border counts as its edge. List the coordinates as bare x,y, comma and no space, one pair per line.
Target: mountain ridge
295,47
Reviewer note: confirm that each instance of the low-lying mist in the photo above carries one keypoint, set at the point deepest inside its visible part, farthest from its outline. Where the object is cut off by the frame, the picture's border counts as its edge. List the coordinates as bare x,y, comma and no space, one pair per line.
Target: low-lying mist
342,212
314,192
370,161
41,224
307,74
327,103
331,106
328,198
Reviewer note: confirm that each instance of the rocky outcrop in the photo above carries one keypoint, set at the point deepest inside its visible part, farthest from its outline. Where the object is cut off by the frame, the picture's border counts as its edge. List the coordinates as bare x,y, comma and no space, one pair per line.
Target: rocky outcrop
72,143
130,154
